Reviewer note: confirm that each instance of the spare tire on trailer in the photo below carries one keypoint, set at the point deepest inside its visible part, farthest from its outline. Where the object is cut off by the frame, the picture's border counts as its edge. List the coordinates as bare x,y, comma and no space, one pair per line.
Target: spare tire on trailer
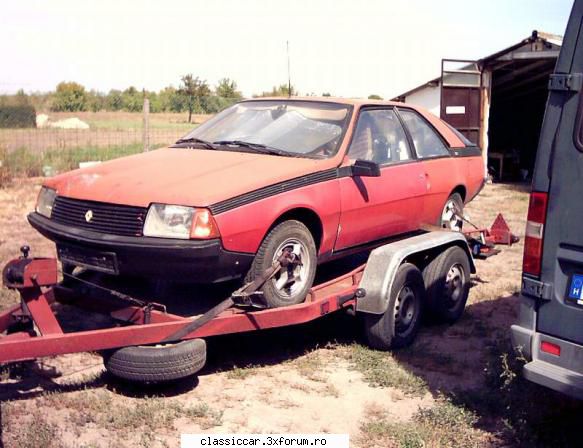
157,363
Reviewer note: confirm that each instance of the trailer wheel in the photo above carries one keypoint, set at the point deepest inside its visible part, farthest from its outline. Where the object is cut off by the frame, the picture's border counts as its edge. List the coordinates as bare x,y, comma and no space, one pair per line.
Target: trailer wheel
447,282
158,363
399,324
289,286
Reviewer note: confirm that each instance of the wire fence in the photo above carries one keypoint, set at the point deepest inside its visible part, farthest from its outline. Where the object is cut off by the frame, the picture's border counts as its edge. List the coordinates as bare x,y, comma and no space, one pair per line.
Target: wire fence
40,140
48,149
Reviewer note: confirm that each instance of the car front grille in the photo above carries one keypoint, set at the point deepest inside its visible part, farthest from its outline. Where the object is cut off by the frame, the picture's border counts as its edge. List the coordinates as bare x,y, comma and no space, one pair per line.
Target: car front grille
113,219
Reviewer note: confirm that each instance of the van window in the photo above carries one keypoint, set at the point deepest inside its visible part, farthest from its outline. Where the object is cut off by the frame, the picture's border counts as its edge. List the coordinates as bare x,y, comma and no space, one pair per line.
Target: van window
427,142
379,137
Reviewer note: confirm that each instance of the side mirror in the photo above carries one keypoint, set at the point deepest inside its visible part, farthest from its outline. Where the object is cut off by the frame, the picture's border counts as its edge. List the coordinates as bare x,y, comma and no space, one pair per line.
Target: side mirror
365,168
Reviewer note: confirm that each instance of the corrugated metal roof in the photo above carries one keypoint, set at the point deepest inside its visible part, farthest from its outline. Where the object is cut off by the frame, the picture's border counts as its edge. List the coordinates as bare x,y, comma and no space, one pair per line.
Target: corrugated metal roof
541,36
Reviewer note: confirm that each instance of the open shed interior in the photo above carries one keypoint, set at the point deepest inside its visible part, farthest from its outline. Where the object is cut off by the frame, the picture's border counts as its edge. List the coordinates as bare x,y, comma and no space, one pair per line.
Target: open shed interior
518,98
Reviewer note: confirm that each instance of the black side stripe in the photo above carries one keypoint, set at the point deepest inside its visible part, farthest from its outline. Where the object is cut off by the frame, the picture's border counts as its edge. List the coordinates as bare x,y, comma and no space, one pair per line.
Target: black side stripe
272,190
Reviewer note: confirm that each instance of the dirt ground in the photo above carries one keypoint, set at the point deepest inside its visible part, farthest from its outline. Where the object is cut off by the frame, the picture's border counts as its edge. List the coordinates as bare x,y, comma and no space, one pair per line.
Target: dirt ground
457,385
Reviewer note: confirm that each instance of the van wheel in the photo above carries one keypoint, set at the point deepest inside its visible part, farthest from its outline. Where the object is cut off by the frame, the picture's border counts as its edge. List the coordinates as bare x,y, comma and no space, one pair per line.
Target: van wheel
447,282
290,285
399,324
453,207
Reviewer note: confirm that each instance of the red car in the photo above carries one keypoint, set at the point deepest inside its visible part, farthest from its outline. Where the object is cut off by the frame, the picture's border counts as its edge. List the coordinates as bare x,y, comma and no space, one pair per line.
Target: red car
316,177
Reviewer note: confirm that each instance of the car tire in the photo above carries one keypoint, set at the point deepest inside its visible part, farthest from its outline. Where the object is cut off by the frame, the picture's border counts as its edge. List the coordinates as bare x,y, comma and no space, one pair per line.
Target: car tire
280,290
447,283
399,324
158,363
448,220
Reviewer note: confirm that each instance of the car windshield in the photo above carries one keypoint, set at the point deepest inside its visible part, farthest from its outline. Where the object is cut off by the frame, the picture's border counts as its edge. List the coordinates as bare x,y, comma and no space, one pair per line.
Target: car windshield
298,128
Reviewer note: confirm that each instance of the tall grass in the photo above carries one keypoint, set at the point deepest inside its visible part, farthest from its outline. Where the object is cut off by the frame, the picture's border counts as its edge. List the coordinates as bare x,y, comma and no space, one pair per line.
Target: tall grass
24,162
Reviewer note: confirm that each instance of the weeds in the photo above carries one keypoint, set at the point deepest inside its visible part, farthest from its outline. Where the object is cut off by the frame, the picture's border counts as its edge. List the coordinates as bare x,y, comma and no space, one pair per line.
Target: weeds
241,373
27,163
310,366
38,432
444,425
380,369
532,415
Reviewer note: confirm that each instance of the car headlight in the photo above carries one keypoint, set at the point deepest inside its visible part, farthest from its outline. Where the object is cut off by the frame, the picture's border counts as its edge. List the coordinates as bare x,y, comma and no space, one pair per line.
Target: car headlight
177,221
46,199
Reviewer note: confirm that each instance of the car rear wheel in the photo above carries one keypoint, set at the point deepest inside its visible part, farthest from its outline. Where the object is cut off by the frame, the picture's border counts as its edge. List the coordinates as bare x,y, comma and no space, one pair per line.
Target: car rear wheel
452,209
291,284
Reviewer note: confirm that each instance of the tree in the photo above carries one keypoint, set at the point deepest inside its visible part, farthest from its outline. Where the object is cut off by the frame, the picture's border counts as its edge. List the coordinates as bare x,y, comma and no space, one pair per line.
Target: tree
69,97
194,92
96,101
227,88
374,96
281,90
326,94
114,100
132,99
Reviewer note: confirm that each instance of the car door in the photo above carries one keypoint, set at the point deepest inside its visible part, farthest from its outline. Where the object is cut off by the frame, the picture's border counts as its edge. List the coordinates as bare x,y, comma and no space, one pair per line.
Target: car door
373,208
436,163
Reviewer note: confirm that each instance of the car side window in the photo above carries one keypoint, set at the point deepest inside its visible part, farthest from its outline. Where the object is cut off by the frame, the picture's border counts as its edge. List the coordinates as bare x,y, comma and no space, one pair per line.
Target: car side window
379,137
425,139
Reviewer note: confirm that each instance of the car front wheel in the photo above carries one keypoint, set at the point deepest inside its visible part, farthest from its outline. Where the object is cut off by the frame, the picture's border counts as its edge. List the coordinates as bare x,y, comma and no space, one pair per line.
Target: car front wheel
291,284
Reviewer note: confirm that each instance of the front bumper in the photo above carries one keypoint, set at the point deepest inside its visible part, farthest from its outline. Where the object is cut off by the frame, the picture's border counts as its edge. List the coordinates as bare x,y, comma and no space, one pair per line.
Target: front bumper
197,261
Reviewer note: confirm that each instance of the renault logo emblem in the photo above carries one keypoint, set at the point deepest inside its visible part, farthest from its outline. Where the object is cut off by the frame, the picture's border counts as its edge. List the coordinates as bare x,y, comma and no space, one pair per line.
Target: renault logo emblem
88,216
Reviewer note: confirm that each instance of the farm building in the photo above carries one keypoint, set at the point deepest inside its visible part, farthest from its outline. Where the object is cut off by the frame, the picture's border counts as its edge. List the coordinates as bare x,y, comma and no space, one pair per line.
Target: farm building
497,102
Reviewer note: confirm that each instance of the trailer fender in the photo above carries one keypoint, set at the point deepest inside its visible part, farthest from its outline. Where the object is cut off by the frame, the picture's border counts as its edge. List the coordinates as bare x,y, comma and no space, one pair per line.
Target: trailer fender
384,261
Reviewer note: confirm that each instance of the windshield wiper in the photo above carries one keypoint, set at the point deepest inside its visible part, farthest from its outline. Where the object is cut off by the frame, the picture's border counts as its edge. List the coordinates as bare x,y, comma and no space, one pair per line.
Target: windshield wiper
258,147
198,141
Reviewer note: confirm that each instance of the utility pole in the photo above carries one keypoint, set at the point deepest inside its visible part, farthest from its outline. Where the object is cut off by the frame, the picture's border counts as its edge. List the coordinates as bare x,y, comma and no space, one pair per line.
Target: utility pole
289,87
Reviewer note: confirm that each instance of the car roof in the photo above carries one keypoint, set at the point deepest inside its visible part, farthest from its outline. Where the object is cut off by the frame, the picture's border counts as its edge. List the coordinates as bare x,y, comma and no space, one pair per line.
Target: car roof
450,136
329,99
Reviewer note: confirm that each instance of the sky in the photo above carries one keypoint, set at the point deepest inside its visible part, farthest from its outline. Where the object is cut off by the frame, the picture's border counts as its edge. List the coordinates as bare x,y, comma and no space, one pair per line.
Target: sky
347,48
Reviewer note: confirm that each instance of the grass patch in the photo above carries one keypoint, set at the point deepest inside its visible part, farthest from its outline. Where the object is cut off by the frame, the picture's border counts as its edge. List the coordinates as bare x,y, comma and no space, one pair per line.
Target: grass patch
380,369
38,432
99,408
310,366
241,373
444,425
527,414
26,163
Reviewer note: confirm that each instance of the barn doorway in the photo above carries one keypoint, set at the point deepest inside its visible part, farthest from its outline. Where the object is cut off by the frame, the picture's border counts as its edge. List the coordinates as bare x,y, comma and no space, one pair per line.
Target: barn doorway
519,91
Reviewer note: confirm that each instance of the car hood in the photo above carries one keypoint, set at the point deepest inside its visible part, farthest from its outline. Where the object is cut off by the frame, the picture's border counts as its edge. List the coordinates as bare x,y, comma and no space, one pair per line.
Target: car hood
182,176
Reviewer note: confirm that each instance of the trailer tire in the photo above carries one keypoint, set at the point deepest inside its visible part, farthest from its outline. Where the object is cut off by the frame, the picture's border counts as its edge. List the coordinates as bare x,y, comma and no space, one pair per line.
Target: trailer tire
155,364
447,282
399,324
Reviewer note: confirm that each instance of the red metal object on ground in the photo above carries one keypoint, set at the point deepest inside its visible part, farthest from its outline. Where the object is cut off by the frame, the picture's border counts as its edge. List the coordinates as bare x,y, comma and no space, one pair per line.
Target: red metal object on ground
143,325
500,232
482,241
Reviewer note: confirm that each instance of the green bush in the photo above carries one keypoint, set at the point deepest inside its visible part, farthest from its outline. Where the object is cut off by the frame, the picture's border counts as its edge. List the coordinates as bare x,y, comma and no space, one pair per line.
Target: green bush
17,116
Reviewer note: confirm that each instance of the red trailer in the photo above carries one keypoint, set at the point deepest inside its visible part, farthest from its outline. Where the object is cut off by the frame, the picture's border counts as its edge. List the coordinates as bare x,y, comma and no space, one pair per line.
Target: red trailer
429,271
